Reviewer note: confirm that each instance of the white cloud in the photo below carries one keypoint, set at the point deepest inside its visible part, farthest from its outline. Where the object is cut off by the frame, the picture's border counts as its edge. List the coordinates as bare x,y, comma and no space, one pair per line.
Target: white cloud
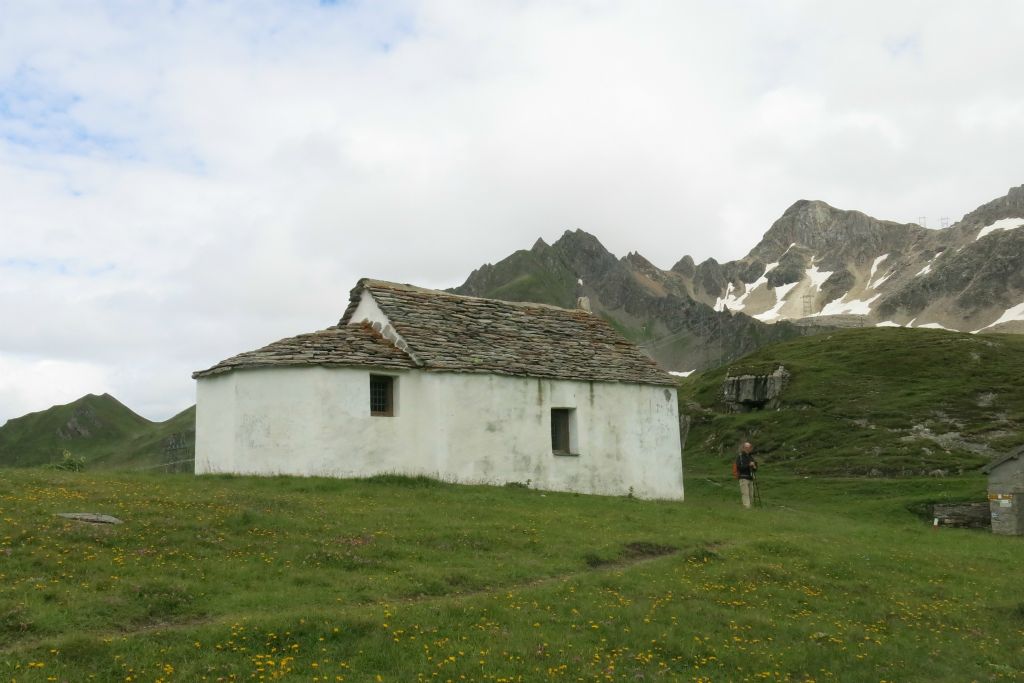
184,181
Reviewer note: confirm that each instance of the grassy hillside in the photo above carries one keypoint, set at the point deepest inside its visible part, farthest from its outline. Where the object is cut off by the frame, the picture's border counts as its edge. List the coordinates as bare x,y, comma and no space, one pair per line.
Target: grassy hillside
232,578
99,429
892,400
527,276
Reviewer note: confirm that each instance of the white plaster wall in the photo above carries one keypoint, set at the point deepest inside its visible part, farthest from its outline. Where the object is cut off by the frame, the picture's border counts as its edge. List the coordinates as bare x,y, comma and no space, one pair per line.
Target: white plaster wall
460,427
367,309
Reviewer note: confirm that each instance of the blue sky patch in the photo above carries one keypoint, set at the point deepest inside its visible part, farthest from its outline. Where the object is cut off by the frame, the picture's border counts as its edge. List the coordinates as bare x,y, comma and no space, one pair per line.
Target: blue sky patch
35,115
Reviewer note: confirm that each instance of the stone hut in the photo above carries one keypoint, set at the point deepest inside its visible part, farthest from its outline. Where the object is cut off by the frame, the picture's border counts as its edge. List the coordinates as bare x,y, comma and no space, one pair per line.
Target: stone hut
1006,492
423,382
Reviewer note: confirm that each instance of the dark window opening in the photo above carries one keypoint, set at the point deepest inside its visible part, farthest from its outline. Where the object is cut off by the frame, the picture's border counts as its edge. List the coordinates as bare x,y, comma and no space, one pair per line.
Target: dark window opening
560,441
382,395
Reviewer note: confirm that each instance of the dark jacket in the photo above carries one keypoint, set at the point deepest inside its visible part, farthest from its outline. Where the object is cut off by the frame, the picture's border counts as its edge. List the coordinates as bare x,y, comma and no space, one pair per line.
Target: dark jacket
746,465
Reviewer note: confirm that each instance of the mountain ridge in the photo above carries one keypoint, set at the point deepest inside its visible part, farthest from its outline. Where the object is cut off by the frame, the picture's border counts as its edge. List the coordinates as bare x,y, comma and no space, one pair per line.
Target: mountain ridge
816,268
637,298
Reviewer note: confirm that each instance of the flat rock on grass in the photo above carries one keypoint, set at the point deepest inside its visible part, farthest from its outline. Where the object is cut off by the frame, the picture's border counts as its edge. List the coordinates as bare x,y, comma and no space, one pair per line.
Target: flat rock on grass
90,517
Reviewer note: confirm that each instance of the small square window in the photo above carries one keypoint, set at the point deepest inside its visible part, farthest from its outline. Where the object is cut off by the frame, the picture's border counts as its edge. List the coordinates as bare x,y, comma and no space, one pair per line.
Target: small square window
382,395
562,426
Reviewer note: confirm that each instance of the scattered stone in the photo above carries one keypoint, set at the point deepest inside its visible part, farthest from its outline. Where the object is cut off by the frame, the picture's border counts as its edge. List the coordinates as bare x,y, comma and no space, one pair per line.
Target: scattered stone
90,517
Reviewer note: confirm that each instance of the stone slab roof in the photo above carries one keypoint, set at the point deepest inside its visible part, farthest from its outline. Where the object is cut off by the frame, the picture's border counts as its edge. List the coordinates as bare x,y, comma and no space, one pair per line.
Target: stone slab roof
453,333
344,346
1012,455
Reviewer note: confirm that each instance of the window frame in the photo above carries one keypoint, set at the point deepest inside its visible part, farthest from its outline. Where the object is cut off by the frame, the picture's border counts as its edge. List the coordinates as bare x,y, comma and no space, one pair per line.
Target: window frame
388,382
563,419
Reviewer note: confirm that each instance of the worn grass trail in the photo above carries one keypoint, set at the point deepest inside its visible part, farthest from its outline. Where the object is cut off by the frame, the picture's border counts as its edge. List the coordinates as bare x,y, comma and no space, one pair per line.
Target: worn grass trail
224,578
633,554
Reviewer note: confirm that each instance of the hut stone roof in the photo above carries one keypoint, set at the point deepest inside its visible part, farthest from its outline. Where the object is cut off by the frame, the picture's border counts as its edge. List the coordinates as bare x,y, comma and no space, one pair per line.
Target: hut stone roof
339,346
444,332
457,333
1012,455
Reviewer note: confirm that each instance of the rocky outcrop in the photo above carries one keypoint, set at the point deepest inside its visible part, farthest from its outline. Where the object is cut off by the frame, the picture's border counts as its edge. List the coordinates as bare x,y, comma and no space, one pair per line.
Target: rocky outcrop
747,392
82,423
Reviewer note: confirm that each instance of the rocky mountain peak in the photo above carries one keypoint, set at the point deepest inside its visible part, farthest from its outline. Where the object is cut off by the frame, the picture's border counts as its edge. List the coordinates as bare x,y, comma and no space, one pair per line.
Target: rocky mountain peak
580,239
816,265
1016,196
584,253
635,259
1011,205
685,266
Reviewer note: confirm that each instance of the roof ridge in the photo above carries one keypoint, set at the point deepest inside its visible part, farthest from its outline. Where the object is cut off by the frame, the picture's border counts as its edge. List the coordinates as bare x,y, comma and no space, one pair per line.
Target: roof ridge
377,329
404,287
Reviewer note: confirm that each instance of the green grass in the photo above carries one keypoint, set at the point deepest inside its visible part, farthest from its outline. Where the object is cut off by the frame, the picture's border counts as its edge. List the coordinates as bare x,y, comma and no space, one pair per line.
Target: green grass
99,429
394,579
526,276
899,401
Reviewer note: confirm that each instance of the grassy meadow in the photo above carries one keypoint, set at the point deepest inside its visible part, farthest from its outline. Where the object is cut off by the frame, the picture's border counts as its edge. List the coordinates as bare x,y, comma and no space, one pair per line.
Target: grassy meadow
392,579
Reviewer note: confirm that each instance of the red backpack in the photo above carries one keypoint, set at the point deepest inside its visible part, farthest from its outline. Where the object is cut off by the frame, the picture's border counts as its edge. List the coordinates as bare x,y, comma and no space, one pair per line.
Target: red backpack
735,469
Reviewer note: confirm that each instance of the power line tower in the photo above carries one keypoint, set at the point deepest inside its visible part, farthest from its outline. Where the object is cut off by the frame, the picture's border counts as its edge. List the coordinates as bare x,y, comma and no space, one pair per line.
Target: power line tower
922,221
808,300
944,221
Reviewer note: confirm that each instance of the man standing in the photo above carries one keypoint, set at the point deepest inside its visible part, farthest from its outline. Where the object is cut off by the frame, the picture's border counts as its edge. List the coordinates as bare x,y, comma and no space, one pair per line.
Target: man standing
745,468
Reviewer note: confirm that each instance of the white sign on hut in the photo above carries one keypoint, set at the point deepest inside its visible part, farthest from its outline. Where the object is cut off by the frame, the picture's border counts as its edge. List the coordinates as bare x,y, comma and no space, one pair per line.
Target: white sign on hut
422,382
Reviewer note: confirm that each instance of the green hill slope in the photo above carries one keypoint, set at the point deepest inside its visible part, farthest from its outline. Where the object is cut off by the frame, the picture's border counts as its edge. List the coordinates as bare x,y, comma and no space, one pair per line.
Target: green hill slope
869,401
99,429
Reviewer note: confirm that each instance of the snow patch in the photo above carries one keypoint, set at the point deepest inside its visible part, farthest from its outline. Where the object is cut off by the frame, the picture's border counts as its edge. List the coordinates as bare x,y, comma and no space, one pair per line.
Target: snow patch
934,326
1010,314
928,266
880,281
856,307
874,266
736,303
579,281
874,269
780,300
887,323
684,373
818,277
1001,224
730,301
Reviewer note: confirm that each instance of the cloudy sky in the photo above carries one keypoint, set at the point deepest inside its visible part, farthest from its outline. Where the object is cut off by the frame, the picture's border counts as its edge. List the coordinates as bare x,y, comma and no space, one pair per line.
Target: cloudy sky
181,181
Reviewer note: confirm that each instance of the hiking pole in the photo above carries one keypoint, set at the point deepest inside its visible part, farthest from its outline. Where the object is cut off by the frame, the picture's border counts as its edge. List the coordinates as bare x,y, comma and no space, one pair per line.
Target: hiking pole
757,492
